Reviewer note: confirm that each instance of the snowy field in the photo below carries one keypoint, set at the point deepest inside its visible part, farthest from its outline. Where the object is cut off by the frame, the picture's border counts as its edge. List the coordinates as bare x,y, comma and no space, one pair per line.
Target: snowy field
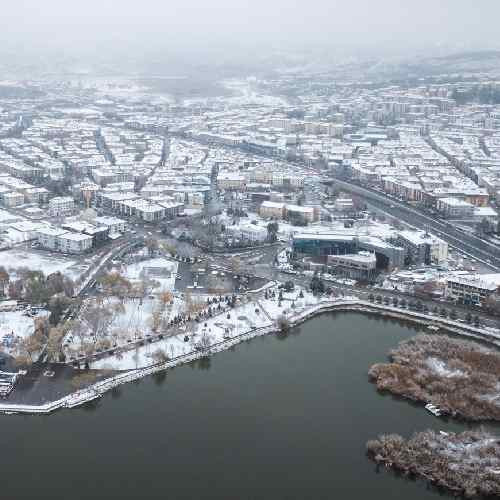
35,261
43,261
160,269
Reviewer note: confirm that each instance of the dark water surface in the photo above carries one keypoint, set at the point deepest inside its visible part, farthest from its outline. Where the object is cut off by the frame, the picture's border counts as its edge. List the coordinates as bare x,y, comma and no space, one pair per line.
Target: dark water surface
273,419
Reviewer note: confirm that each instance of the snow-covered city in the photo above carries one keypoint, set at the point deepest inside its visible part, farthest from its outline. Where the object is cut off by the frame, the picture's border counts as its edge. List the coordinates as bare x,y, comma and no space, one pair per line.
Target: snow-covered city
290,249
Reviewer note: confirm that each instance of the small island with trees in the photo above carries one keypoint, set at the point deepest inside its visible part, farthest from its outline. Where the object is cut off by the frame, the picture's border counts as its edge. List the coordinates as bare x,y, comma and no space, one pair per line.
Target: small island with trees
461,377
466,464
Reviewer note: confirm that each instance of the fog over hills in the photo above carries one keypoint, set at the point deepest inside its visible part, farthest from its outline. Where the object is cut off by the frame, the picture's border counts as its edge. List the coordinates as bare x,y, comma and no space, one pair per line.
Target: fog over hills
149,36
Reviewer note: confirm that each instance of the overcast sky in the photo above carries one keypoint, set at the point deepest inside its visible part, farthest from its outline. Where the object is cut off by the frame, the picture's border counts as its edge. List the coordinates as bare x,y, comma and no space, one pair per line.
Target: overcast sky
232,23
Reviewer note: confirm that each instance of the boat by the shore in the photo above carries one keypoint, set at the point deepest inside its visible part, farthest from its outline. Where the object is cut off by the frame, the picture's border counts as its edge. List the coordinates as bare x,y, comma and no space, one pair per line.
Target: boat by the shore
433,409
433,328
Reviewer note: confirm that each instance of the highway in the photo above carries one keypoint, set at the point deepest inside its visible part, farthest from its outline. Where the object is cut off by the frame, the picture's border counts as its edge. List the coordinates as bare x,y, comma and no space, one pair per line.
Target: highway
481,250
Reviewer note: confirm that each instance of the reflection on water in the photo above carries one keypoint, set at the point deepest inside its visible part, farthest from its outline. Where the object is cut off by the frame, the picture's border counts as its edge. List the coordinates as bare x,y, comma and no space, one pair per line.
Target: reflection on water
160,377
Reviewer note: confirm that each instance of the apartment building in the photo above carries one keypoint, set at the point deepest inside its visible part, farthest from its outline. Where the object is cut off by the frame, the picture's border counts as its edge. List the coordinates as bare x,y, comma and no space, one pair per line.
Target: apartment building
74,243
230,181
61,206
454,208
469,289
60,240
12,199
272,210
300,214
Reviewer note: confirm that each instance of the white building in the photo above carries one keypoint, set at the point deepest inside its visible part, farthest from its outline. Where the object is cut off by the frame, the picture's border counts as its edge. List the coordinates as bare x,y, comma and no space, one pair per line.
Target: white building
230,180
248,232
114,224
344,204
455,208
37,195
61,206
59,240
360,265
74,243
470,289
422,247
272,210
13,199
143,209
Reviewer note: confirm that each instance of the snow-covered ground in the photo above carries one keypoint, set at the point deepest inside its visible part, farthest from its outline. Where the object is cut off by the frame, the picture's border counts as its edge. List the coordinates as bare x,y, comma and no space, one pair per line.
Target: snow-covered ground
245,317
36,261
165,275
241,319
7,217
15,326
439,367
132,318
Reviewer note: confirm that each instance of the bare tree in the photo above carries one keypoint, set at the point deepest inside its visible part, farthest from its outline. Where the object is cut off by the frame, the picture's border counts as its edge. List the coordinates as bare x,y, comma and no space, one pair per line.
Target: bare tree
54,344
4,279
98,319
160,356
152,246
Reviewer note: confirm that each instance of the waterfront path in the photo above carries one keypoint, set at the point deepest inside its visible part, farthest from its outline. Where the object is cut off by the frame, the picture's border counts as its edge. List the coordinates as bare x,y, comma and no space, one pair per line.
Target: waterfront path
95,390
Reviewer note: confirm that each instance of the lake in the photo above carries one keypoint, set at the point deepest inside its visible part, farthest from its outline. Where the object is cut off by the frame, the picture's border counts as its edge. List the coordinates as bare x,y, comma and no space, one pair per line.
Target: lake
275,418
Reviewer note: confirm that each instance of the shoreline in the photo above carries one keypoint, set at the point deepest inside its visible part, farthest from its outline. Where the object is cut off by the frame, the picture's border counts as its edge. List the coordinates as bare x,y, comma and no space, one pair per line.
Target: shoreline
347,304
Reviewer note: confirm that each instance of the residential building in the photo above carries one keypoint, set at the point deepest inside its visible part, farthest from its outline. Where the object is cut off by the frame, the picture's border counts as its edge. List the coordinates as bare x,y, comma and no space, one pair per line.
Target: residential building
113,224
12,199
473,290
272,210
61,206
455,208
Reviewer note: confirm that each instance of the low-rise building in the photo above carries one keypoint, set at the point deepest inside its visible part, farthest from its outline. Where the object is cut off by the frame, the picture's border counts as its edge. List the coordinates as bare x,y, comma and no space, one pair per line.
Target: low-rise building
37,195
300,214
114,224
230,181
272,210
99,234
455,208
470,289
59,240
322,244
359,266
12,199
248,232
422,247
74,243
344,204
48,237
142,209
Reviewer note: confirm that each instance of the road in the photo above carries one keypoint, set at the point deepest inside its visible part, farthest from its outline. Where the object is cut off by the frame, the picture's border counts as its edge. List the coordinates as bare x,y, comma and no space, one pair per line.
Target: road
481,250
364,293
